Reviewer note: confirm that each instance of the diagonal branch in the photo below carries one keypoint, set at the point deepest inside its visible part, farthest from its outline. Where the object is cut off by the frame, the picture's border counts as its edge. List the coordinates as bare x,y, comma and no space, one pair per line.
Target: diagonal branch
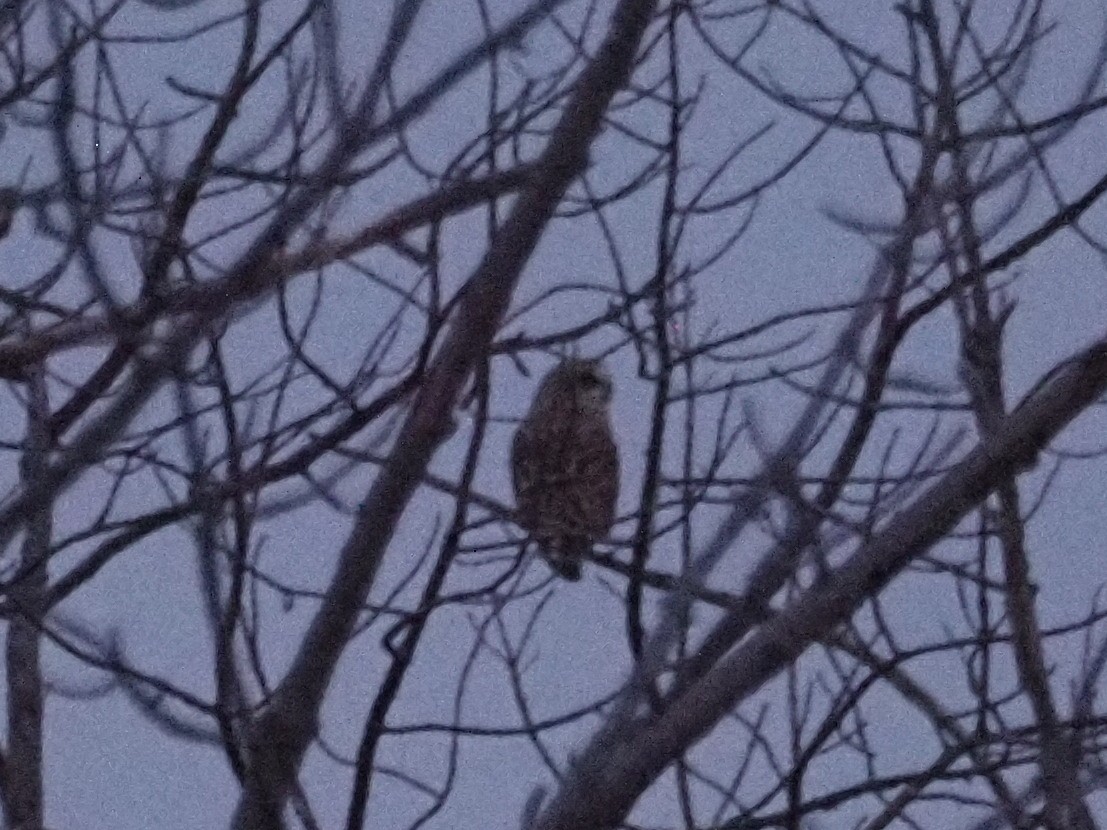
605,786
286,727
16,355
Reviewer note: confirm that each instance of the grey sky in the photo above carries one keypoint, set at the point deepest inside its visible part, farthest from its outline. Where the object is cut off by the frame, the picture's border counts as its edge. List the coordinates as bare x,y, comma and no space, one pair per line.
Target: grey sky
108,767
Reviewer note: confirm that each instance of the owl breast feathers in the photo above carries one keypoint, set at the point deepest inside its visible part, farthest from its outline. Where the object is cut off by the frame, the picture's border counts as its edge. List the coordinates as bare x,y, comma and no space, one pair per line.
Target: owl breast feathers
565,465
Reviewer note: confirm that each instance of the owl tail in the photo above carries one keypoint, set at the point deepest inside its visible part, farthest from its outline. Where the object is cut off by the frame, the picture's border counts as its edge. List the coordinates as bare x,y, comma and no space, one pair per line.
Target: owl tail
565,554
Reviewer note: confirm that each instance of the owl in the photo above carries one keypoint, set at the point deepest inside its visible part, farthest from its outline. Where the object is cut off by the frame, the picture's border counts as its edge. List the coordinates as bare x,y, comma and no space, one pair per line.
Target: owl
565,466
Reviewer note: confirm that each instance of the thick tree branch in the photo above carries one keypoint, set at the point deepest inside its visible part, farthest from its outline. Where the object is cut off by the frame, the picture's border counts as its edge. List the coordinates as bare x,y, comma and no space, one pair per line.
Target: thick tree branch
287,726
604,785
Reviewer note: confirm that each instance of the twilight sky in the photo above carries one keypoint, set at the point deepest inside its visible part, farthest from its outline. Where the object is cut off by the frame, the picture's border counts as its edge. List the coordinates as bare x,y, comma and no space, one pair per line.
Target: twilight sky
109,767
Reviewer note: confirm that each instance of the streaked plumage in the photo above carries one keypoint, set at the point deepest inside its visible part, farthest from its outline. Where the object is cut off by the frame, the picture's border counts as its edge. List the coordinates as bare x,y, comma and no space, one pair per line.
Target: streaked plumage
565,465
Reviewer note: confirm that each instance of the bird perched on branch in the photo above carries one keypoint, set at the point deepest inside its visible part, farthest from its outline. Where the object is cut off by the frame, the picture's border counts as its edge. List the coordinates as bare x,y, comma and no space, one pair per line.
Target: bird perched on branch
565,465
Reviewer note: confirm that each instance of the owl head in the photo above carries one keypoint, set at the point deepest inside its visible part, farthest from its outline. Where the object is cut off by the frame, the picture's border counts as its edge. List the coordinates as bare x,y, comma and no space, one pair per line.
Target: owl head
582,382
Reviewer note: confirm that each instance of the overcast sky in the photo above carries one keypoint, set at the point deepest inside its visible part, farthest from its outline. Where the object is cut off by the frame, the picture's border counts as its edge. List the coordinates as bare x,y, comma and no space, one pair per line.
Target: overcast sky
110,768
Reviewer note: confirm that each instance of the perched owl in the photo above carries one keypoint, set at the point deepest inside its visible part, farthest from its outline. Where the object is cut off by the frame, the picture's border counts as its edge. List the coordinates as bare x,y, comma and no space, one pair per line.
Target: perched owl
565,465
